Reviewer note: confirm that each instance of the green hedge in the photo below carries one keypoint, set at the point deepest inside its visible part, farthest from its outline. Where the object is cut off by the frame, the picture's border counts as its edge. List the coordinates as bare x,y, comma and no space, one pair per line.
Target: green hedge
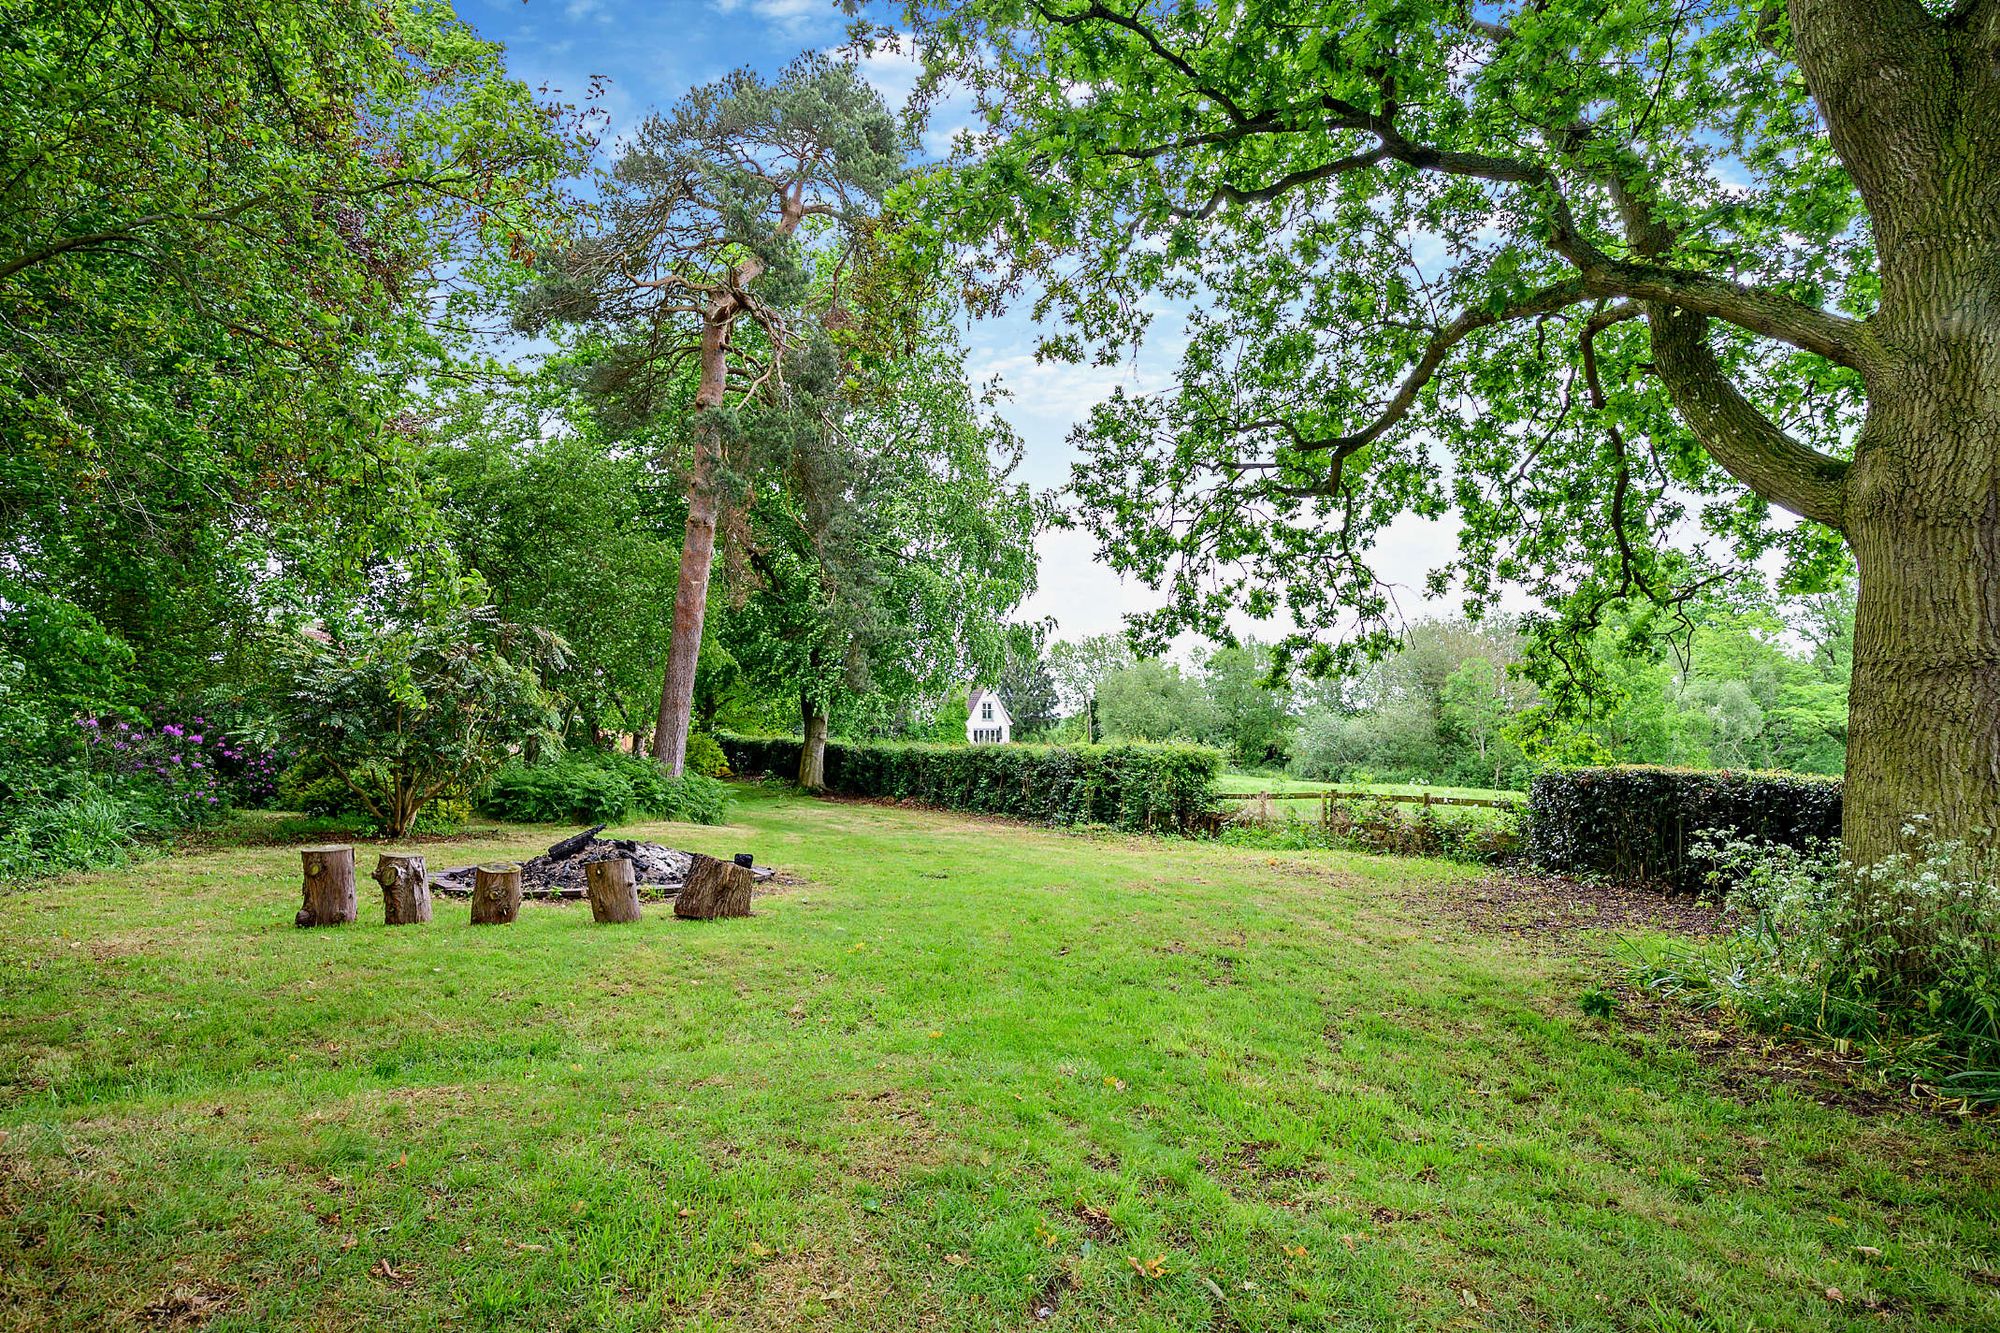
1641,823
1158,788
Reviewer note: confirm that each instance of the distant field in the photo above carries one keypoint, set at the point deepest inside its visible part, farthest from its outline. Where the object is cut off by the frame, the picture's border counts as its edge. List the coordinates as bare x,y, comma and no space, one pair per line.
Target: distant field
1251,782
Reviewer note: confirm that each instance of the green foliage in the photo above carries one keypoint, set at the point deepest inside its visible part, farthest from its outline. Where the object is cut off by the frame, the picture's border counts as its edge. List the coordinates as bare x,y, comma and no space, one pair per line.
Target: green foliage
575,530
1380,826
1153,701
1155,788
600,787
222,247
402,714
705,756
1395,226
1029,692
1648,824
1900,959
890,542
92,828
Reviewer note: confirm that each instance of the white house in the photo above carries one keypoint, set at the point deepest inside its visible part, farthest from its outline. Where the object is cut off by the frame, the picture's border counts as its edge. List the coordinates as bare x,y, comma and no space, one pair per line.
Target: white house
986,719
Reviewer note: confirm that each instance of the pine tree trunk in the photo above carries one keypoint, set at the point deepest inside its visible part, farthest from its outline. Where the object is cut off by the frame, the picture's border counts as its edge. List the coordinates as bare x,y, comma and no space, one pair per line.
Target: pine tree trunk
697,558
812,753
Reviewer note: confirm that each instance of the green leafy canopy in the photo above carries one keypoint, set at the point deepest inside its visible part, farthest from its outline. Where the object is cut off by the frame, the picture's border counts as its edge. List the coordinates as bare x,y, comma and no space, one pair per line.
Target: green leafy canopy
1416,245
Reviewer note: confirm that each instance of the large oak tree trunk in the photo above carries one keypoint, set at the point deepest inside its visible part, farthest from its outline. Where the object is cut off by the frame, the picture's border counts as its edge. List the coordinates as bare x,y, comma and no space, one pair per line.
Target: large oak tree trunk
1922,516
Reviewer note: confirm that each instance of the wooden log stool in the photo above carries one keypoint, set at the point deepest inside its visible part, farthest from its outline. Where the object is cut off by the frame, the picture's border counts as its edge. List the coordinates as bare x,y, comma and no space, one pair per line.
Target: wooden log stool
714,888
496,894
614,891
406,888
329,886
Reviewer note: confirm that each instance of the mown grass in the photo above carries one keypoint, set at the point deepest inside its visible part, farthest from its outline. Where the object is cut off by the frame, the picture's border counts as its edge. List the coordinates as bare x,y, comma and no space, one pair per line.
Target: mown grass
1280,785
959,1074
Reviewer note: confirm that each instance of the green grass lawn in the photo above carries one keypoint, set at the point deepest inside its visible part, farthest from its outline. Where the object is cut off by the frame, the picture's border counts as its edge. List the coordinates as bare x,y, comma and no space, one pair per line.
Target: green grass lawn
956,1074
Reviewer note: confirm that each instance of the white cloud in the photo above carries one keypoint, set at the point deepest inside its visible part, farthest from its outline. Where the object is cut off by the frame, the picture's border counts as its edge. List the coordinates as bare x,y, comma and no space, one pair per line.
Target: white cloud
792,18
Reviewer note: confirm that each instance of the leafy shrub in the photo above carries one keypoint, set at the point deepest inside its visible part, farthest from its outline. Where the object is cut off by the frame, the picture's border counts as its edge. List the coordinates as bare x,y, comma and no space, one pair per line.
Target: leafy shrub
1643,824
178,767
600,788
312,789
413,710
1901,959
1163,788
90,829
705,756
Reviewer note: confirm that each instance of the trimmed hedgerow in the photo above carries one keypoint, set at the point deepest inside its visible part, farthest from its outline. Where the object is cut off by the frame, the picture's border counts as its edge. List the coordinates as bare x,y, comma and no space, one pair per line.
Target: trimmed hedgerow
1157,788
1642,823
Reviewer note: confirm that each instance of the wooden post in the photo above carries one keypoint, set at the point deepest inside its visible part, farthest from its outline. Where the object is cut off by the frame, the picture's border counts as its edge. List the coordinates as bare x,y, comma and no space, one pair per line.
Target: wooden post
406,888
714,888
614,895
496,894
329,886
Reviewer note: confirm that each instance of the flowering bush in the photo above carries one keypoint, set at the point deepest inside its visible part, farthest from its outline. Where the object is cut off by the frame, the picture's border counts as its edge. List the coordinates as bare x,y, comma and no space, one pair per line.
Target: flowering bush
1900,959
190,771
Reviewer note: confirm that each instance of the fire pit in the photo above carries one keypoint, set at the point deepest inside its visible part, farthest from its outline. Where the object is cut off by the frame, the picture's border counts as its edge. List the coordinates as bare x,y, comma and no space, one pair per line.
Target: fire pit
559,873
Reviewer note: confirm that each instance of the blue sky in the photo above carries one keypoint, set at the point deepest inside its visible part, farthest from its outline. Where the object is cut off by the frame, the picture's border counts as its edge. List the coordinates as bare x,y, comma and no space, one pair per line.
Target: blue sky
651,53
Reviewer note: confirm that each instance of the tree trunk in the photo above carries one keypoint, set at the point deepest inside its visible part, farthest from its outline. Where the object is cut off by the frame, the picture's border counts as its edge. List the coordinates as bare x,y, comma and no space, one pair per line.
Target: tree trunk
697,558
1923,739
698,540
329,887
714,888
614,895
812,753
406,889
496,894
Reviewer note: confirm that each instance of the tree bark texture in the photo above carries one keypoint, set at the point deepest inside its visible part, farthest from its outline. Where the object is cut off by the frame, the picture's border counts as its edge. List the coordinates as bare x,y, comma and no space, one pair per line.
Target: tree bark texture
1912,103
329,887
697,559
812,754
713,889
406,888
496,894
614,893
704,500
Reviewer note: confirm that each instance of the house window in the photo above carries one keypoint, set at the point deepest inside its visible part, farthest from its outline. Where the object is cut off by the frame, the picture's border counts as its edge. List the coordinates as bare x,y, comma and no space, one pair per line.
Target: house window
986,712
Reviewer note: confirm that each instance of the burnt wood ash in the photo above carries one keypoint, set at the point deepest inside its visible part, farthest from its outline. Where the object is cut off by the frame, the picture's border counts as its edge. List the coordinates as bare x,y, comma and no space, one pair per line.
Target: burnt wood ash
658,870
